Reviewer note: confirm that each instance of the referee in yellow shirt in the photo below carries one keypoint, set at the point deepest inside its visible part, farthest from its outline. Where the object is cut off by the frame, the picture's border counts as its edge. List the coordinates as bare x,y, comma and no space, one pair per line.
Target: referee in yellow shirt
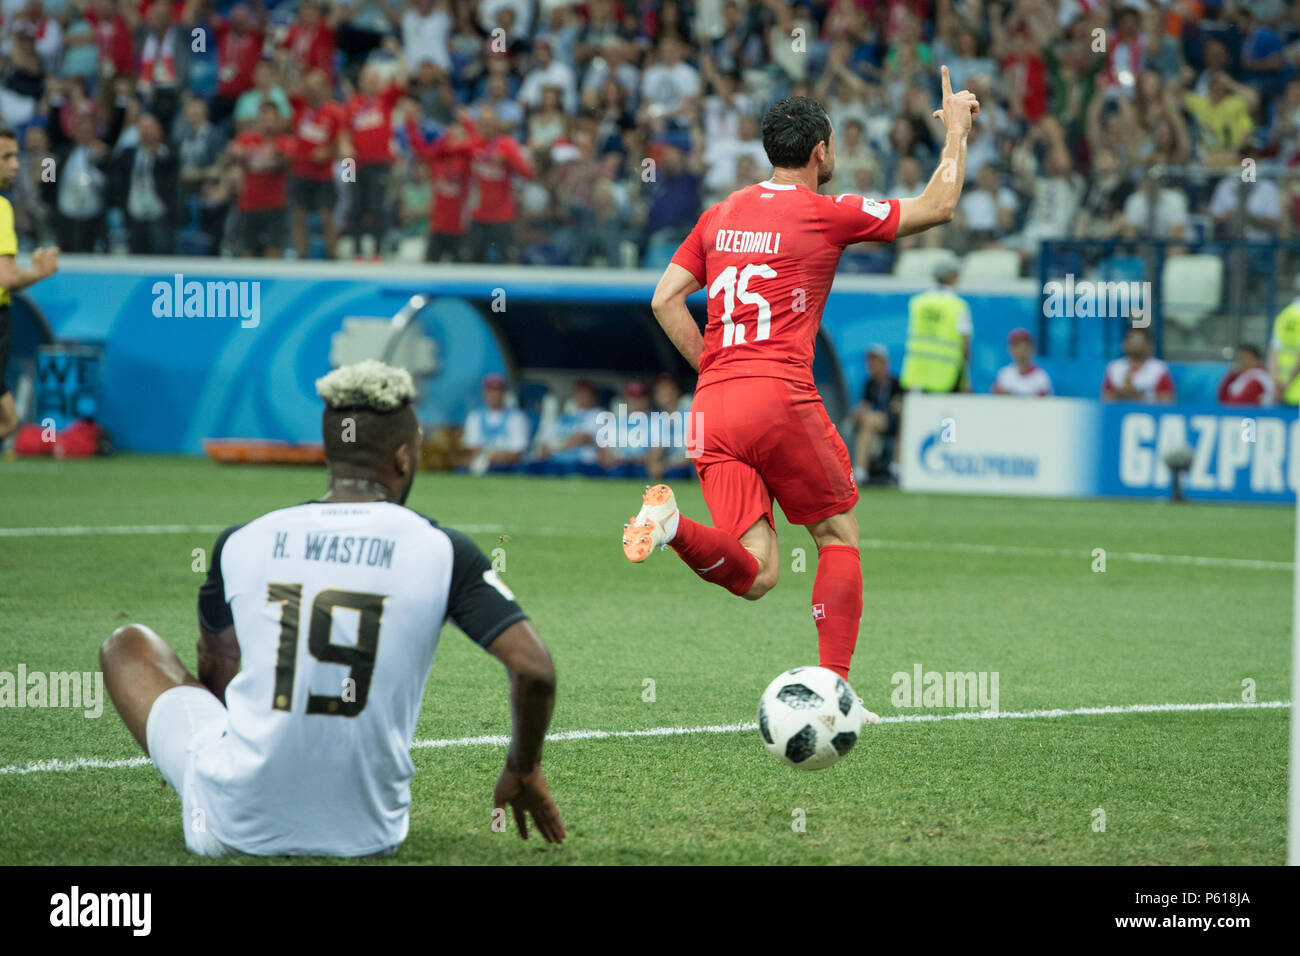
45,262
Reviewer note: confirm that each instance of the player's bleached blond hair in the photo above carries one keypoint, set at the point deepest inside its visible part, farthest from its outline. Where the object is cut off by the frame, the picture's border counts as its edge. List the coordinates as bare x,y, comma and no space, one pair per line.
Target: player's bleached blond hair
367,384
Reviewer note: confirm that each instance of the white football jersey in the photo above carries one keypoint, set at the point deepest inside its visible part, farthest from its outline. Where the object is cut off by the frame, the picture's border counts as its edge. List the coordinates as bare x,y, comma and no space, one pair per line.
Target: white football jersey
1033,381
1151,378
337,608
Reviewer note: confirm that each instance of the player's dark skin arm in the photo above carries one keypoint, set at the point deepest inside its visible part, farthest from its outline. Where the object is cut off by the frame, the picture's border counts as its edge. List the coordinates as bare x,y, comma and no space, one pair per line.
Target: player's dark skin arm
522,784
218,659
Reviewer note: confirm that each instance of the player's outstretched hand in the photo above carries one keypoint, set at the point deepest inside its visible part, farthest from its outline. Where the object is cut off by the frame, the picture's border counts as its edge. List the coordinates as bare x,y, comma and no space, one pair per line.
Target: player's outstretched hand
959,110
526,793
46,261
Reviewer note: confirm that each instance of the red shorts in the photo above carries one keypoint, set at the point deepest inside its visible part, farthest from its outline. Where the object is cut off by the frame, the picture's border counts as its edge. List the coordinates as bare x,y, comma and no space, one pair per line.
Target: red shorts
763,438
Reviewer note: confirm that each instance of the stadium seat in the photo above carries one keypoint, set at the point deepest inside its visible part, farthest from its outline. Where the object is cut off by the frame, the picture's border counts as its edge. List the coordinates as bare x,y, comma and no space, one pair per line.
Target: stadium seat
917,265
1191,288
984,265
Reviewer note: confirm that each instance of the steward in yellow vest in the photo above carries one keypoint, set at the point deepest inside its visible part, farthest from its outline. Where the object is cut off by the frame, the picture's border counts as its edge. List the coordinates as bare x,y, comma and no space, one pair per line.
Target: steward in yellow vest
938,337
1284,353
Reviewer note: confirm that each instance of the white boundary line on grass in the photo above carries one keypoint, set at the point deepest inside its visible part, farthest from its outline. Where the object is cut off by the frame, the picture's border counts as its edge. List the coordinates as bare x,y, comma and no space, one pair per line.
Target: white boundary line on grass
94,763
875,544
77,530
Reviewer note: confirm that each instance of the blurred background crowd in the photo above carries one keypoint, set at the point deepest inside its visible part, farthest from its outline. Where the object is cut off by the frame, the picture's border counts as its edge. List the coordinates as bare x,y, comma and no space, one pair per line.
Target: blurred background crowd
593,133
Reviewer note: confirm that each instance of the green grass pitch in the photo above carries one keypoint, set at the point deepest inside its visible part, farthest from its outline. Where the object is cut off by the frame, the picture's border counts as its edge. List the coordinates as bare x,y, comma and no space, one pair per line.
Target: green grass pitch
952,584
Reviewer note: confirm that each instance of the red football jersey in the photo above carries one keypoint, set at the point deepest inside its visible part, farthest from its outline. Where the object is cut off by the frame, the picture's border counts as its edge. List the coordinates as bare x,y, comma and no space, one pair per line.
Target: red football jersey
766,255
265,171
449,165
317,131
490,172
371,121
311,47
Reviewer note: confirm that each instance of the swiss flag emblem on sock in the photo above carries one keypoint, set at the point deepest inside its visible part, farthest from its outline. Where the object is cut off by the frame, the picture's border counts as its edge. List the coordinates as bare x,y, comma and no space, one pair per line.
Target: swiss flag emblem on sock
819,611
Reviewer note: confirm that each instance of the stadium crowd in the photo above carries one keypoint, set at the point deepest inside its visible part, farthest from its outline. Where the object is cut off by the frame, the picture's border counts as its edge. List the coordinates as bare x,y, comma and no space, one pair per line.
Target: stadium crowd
594,132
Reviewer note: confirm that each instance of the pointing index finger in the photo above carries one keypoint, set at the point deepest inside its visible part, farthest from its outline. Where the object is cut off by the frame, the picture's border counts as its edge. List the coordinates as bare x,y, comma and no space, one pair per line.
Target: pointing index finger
947,84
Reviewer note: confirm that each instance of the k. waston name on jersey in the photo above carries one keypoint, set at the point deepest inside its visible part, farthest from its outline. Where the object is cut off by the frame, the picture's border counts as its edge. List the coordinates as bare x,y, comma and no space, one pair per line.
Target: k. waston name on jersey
339,549
741,240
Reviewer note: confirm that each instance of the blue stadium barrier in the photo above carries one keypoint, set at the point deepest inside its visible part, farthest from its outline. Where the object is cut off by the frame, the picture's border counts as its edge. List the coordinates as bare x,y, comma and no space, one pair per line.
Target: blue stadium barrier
170,382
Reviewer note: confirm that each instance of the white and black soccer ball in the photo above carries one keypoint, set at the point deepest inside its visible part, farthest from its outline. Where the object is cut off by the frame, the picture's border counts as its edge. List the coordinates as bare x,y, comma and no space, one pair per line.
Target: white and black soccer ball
810,717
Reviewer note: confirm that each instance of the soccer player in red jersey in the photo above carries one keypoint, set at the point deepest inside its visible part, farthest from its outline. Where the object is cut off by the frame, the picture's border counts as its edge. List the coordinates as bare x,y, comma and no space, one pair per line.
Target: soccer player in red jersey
767,255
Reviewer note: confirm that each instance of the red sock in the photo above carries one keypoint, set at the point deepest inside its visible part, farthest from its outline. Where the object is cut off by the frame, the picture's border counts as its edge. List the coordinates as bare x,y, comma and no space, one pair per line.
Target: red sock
837,605
715,555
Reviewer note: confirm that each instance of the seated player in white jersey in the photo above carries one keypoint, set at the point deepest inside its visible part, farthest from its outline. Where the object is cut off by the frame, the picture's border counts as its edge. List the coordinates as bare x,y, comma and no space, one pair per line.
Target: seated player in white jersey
317,630
1021,376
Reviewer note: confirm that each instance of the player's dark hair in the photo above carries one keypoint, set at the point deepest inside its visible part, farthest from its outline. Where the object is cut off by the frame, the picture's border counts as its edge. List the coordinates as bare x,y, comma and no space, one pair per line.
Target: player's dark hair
1141,330
1252,348
792,128
361,441
7,133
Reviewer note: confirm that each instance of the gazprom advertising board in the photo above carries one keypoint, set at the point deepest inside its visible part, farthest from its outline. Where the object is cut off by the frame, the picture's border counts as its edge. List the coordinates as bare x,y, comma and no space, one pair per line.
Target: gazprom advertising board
1062,447
996,445
1238,454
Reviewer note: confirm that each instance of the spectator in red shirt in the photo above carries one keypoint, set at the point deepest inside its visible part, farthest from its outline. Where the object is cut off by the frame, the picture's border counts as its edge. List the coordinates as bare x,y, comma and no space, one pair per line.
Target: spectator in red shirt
112,37
1024,72
263,154
164,62
1247,382
310,39
318,126
448,158
239,48
370,136
498,158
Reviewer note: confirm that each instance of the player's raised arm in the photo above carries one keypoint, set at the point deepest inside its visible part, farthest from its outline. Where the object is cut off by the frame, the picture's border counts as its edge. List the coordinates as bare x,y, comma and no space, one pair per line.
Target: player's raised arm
938,203
669,307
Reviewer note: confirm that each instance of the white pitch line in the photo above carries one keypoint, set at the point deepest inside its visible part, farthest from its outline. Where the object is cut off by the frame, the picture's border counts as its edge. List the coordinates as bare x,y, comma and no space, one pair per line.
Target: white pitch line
1250,564
95,763
77,530
959,547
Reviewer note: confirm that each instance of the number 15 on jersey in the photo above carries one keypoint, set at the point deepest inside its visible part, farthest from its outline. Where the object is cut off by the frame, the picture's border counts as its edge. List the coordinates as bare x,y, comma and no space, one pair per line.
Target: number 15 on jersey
734,286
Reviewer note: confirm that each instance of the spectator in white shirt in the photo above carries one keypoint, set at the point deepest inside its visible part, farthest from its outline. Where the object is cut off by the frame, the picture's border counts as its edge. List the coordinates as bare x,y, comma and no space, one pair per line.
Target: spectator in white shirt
1021,376
722,155
1169,220
548,71
613,62
989,210
1263,207
725,107
426,30
522,25
669,87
